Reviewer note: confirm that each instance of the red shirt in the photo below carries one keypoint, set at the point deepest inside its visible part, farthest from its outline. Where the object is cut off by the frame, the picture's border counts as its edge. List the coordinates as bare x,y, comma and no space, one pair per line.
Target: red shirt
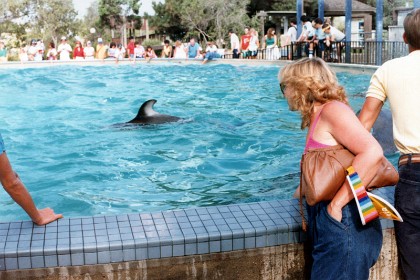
78,51
245,41
130,48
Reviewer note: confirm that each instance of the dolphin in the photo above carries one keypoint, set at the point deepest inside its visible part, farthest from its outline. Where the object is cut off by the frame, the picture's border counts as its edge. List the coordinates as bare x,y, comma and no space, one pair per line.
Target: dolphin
382,131
147,115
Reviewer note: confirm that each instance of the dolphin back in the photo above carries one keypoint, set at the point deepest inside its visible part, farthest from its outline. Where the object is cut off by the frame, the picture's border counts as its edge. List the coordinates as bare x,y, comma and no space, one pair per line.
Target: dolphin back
146,115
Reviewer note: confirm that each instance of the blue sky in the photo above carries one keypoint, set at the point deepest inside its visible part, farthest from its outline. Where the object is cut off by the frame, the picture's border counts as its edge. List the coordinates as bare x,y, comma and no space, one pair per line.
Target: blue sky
82,5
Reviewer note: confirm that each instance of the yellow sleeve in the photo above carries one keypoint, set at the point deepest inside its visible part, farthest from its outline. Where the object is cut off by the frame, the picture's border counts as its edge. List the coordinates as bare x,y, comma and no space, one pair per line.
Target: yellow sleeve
377,85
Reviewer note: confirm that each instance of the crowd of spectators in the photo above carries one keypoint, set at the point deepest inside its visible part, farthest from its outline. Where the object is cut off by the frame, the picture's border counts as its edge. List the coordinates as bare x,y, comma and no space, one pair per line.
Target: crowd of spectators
318,38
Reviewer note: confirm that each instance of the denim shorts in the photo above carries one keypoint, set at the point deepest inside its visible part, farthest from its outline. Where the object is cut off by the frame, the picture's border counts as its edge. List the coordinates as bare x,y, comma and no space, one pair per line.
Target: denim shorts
342,250
407,202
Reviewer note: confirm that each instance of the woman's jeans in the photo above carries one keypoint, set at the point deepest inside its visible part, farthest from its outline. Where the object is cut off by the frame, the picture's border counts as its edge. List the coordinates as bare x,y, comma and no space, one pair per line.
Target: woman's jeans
342,250
407,202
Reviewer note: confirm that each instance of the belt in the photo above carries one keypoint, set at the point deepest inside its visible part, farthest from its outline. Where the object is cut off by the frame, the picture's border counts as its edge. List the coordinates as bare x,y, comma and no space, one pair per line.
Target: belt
412,158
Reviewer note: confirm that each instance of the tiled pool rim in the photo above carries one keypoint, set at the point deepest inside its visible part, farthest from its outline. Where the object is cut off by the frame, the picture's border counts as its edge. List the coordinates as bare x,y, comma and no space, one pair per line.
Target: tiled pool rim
130,237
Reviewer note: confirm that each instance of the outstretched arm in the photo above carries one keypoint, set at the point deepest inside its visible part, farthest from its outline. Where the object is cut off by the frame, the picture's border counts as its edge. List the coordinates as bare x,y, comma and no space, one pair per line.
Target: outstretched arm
15,188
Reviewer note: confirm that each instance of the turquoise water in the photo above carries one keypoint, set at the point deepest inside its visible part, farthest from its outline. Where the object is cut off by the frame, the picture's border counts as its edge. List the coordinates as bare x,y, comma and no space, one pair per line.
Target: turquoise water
239,142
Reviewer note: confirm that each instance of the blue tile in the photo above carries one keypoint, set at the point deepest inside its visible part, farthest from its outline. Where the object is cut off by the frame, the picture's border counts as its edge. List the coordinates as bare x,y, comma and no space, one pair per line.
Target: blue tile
100,226
133,217
250,242
227,215
38,230
215,246
166,251
122,218
14,231
51,261
153,252
100,232
64,260
75,228
202,211
123,224
87,221
216,216
112,225
136,224
37,262
168,214
238,214
11,263
4,225
29,224
102,239
209,223
213,210
141,253
178,250
64,234
227,245
24,262
76,234
114,237
203,247
129,244
190,212
75,221
77,259
91,258
238,244
38,237
149,228
272,240
171,220
146,216
115,245
25,231
12,238
261,241
159,221
110,219
117,256
99,220
88,227
89,246
75,240
104,257
151,234
51,236
190,249
157,215
283,238
205,217
129,254
126,236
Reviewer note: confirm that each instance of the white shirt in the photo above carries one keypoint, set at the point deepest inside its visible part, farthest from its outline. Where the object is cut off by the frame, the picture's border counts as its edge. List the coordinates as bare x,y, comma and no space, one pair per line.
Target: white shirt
337,34
234,41
292,32
211,48
64,50
89,52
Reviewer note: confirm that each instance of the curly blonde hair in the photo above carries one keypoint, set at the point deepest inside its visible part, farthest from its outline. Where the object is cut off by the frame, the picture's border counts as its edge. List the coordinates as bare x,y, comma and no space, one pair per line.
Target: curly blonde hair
310,80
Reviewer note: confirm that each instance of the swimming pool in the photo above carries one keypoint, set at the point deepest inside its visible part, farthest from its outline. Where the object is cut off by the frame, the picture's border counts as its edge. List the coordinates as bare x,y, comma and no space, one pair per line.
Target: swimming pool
239,142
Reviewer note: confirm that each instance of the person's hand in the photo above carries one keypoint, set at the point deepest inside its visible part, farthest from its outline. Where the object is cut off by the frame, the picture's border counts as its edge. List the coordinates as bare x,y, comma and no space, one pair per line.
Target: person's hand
47,216
335,212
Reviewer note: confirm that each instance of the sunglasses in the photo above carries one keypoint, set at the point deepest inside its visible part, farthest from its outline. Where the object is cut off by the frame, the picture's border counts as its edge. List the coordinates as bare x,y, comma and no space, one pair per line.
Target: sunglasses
282,88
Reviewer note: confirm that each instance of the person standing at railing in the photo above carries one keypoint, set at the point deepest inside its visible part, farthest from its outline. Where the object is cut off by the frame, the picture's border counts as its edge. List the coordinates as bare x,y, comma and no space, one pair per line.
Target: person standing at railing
398,81
245,43
254,44
234,44
319,40
270,44
307,36
334,36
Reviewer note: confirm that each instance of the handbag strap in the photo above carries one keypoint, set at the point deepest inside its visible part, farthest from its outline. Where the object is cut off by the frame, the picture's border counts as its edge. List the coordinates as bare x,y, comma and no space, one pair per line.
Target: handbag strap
301,197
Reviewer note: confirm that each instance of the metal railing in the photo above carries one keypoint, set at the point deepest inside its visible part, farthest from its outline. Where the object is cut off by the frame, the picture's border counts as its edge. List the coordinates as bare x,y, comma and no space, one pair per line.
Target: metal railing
354,52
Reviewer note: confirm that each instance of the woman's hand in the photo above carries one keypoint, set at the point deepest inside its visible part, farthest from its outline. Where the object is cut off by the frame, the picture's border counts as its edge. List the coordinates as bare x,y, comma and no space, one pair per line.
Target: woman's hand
335,212
46,216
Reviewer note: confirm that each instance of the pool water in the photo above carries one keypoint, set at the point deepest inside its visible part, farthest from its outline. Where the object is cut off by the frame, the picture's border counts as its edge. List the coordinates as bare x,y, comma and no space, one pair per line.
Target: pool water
238,142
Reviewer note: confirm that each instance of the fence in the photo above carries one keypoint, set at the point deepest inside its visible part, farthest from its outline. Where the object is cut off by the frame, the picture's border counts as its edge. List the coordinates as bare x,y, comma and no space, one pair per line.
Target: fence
355,52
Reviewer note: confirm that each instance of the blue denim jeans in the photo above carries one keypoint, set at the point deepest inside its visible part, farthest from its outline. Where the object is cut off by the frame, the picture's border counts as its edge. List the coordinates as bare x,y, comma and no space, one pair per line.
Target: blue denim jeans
342,250
407,202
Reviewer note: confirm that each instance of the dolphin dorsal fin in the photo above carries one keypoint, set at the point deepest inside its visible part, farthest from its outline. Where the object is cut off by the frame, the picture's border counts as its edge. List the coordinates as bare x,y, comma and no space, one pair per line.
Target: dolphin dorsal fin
146,109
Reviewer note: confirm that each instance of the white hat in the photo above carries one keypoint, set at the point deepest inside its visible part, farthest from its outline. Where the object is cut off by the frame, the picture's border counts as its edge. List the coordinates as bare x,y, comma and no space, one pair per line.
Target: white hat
63,38
99,40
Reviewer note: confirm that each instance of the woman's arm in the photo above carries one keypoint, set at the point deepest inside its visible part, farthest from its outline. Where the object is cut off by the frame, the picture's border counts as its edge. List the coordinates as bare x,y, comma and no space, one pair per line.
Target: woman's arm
347,130
15,188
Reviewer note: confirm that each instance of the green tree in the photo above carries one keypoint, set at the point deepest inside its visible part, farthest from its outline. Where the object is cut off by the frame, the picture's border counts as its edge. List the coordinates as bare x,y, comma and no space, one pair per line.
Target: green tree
113,13
167,21
53,19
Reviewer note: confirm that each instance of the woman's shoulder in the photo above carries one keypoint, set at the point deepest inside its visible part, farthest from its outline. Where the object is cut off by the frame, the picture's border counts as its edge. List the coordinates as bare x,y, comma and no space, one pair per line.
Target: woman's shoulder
335,110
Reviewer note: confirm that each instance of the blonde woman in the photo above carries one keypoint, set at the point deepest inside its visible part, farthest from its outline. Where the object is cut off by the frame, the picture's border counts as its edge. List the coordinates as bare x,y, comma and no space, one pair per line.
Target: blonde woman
179,51
342,248
254,44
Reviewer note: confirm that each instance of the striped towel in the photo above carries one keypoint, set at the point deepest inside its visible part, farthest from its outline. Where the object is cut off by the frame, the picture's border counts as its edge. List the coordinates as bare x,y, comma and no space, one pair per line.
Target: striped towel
367,210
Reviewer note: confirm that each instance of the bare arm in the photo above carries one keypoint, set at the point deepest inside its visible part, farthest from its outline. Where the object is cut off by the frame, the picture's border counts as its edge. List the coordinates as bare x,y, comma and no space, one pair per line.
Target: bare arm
15,188
370,112
347,130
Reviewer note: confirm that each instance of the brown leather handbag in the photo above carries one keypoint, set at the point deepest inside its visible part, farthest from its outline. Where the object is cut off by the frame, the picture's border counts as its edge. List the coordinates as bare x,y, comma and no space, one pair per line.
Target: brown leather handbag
323,172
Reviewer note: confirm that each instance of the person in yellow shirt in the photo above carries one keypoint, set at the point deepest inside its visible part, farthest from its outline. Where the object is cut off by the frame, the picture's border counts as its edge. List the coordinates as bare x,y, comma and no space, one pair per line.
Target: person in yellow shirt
101,50
398,81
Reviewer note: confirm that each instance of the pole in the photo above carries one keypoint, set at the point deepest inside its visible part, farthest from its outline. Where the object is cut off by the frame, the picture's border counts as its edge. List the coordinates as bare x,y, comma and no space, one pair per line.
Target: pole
299,5
348,30
321,8
379,28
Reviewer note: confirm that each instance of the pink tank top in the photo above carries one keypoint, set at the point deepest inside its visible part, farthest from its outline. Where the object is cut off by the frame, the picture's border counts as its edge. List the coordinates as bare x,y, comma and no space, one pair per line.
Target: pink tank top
312,143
